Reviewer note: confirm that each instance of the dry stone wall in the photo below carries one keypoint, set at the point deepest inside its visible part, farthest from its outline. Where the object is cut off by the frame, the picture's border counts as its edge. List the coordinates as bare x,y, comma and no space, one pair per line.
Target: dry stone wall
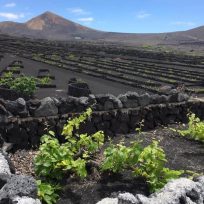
24,122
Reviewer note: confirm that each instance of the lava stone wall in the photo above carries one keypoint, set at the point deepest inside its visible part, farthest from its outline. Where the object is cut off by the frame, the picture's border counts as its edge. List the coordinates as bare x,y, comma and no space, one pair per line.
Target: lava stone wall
26,132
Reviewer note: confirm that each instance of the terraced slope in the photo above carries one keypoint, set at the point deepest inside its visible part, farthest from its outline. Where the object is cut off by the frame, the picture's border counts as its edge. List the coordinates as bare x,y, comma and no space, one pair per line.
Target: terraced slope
143,70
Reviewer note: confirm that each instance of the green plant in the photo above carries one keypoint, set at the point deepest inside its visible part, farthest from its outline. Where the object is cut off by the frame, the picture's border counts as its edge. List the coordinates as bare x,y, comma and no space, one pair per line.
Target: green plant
25,85
45,80
55,159
7,79
47,192
195,128
148,162
151,165
119,157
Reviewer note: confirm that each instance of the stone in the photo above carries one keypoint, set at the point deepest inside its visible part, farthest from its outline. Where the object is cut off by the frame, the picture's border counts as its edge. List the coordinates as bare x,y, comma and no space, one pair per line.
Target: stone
173,98
67,105
177,191
25,200
32,105
129,100
131,103
104,98
47,108
132,95
12,107
108,201
21,103
144,100
154,98
162,99
83,101
183,97
108,105
34,102
17,185
122,98
17,107
92,99
173,91
6,147
3,110
4,165
127,198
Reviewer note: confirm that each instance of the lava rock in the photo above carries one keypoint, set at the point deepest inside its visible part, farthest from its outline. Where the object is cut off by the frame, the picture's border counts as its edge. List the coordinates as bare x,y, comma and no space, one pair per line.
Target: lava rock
183,97
177,191
17,185
108,105
4,164
25,200
17,107
108,201
129,100
47,108
67,105
144,100
3,110
126,198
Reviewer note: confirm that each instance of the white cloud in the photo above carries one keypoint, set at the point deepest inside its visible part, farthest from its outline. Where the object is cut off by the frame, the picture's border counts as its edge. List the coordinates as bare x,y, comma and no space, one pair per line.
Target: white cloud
86,20
9,5
77,11
143,14
12,16
183,23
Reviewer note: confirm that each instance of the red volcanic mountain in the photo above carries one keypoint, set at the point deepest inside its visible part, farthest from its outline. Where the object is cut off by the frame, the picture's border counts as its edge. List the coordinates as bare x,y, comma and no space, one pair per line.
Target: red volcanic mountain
53,27
47,26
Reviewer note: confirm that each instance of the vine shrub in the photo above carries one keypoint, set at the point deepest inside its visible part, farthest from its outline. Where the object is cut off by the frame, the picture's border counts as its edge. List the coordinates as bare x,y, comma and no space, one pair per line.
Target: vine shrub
148,162
23,84
55,159
45,80
119,157
195,128
151,165
7,79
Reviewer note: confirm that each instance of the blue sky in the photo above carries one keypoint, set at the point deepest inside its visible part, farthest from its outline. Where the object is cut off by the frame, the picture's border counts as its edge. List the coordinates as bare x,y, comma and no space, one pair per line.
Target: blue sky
133,16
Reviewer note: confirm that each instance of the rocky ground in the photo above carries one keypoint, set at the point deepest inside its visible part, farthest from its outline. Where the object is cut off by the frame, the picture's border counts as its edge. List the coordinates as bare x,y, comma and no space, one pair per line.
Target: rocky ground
23,161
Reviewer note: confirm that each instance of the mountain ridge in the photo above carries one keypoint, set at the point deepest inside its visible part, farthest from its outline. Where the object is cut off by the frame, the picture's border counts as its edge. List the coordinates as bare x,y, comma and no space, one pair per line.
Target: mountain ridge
51,26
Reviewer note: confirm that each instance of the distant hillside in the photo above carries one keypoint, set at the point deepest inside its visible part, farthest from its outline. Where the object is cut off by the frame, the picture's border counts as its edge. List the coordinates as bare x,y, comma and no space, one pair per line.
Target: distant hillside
53,27
47,26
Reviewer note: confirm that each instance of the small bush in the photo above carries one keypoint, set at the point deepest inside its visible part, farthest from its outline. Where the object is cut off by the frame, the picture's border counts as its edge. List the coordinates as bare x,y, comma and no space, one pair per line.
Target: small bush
195,128
151,165
7,79
45,80
24,85
148,162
